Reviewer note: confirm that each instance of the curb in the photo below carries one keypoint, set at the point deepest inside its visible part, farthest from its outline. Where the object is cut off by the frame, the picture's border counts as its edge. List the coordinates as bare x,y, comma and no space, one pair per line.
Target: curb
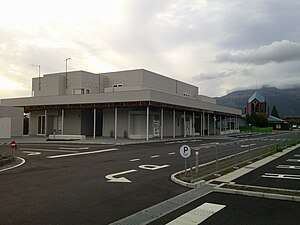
258,194
197,184
13,167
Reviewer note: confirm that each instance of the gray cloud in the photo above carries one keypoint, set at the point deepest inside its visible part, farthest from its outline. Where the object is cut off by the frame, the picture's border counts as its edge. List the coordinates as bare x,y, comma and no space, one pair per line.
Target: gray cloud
279,52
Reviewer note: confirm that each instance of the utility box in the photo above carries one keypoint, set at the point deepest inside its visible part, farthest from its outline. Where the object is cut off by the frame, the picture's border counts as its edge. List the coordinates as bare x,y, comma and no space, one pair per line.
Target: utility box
5,127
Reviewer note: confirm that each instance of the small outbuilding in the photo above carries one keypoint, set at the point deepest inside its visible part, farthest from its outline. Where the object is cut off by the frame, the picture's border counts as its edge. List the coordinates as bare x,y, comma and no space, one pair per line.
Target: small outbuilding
11,121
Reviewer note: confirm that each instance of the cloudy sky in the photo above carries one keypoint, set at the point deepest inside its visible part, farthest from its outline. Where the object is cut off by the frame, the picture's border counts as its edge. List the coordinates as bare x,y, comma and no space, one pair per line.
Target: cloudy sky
218,45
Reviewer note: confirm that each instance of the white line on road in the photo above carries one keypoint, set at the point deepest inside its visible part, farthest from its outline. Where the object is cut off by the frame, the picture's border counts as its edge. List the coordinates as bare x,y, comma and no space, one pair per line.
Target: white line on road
293,160
83,153
154,156
288,167
44,150
197,215
68,148
171,153
281,176
296,155
133,160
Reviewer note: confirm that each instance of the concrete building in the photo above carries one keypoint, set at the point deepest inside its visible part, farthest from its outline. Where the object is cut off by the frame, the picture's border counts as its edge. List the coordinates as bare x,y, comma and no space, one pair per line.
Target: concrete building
136,104
11,121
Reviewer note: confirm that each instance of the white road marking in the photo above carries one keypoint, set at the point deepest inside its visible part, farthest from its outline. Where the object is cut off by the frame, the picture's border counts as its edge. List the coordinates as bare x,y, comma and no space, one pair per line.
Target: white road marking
82,153
112,178
171,153
152,167
281,176
31,153
244,146
198,214
252,144
293,160
154,156
74,148
133,160
168,143
296,155
288,167
44,150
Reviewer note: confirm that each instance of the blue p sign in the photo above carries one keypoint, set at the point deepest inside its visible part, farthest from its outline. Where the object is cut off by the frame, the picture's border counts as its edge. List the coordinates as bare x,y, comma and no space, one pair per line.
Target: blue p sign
185,151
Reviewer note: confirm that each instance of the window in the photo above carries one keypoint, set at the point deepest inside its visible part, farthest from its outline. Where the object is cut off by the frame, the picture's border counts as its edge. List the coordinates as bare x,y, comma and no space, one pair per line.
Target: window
87,91
78,91
186,94
118,85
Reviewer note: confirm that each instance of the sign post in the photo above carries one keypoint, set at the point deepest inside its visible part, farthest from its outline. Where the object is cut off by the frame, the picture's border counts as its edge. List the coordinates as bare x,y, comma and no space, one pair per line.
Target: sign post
185,152
13,146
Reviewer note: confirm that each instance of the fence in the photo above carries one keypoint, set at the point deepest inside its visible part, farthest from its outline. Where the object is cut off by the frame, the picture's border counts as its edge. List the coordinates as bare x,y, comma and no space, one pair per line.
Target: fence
214,158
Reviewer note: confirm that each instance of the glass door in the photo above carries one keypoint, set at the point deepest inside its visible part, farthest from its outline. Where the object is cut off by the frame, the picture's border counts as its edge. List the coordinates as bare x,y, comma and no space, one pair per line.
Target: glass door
41,125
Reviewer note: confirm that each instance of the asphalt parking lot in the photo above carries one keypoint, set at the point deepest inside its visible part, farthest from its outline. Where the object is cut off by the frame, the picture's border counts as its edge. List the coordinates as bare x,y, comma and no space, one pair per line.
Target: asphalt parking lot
280,173
92,184
242,210
283,172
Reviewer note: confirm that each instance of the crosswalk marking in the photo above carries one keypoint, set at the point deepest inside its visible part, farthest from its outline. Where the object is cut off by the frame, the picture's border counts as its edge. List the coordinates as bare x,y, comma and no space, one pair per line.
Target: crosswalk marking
198,214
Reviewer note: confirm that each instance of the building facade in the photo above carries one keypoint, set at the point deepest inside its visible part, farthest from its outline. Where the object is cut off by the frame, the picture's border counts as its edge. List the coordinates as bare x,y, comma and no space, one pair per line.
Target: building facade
257,104
11,121
136,104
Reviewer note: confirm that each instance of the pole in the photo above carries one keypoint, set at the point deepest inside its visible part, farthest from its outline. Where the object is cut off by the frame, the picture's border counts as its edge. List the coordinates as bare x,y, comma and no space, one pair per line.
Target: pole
197,162
67,71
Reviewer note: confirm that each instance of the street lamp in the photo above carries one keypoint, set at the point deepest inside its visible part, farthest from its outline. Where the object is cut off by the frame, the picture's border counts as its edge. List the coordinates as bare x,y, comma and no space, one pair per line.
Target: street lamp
67,71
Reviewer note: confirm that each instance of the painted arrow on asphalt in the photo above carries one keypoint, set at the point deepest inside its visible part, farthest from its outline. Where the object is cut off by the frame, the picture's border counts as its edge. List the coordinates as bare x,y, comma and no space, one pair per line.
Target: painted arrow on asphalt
112,178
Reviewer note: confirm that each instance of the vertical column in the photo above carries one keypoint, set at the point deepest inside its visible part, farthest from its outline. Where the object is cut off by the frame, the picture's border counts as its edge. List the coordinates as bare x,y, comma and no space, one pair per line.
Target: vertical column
116,123
174,123
201,124
46,123
203,117
62,121
147,124
94,131
162,124
29,121
225,123
193,124
215,124
236,123
220,124
207,124
230,123
184,125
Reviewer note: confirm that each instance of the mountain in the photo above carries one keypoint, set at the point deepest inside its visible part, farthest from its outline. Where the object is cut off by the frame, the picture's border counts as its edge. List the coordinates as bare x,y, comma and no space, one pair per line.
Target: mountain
287,101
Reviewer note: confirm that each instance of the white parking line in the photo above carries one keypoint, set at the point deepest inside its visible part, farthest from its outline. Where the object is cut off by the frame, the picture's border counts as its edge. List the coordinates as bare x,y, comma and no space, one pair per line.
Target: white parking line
293,160
197,215
171,153
296,155
288,167
133,160
45,150
154,156
83,153
281,176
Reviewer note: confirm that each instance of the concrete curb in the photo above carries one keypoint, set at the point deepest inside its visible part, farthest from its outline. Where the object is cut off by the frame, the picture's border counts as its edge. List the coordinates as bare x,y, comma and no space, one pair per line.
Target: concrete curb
258,194
197,184
13,167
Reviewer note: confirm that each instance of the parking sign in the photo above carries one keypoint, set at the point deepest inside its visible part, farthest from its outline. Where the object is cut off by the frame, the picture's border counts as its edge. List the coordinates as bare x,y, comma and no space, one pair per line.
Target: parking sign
185,151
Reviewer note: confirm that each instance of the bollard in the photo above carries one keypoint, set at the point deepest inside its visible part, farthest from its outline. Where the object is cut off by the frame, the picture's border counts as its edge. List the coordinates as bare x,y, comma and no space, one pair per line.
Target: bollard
197,162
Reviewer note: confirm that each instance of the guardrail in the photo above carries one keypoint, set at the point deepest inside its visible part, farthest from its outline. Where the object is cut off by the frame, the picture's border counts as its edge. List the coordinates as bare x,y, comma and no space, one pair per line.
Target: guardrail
212,159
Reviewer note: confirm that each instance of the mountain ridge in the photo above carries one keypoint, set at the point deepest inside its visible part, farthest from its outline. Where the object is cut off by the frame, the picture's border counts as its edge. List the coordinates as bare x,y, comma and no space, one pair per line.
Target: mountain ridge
287,101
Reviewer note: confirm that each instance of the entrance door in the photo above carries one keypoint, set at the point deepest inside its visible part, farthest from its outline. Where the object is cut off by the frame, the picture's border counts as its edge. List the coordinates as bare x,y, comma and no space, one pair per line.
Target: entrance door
41,124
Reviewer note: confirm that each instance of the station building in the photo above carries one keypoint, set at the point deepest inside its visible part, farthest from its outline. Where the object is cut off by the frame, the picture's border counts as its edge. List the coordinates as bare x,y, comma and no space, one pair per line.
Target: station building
135,104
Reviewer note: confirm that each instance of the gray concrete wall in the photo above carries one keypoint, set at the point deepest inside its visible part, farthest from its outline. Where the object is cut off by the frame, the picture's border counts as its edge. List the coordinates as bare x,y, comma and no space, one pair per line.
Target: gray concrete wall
108,122
17,118
50,85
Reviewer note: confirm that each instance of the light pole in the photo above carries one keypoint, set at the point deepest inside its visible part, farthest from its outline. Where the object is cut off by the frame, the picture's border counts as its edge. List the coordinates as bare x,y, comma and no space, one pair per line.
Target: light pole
67,71
39,66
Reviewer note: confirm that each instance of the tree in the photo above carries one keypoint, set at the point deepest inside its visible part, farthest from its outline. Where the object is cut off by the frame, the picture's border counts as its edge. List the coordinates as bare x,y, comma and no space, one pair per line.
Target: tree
257,120
274,112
